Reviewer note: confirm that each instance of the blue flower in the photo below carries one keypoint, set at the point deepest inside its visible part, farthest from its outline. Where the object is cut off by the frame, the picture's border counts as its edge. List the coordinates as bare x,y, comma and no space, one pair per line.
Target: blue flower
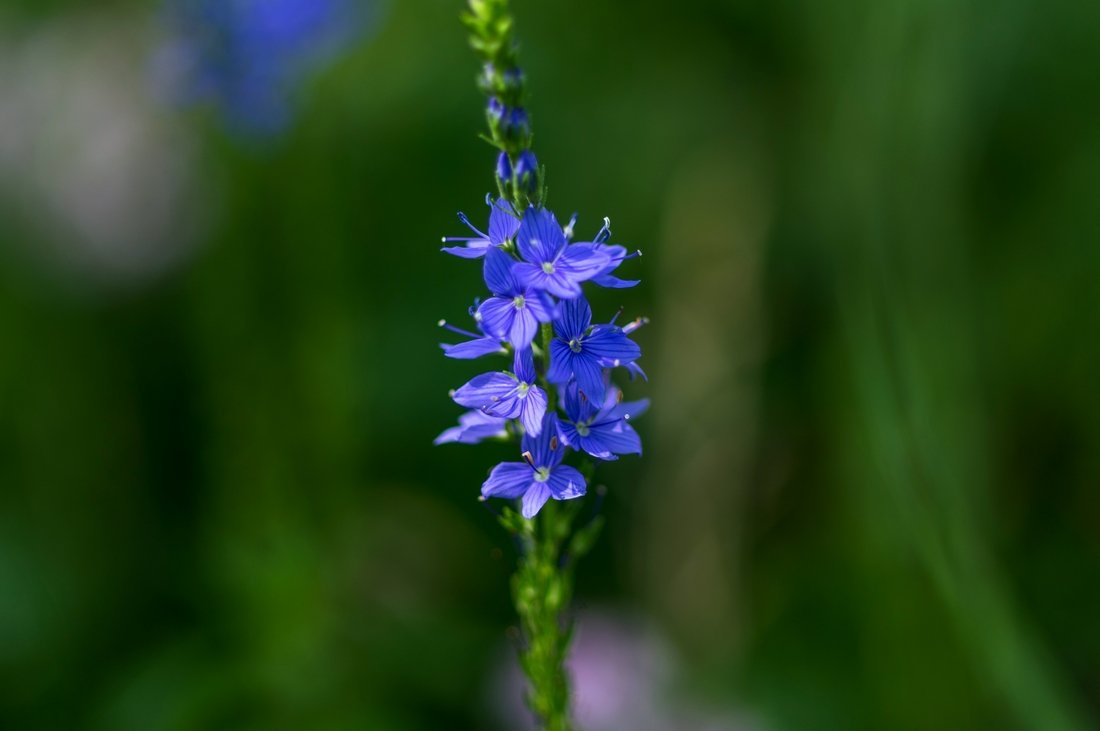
248,56
582,352
549,262
503,224
604,432
508,395
514,312
476,347
541,477
473,427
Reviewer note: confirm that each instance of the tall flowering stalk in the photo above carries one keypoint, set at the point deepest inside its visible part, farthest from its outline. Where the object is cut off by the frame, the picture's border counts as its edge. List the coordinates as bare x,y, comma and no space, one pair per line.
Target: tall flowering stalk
554,398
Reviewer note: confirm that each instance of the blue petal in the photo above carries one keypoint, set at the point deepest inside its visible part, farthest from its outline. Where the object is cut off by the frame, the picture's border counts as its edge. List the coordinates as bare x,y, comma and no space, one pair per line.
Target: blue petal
624,410
541,444
581,262
612,282
573,319
566,483
473,250
498,273
533,410
473,348
561,362
589,375
635,370
594,447
502,222
618,437
533,500
495,315
484,390
540,304
531,276
473,426
524,366
524,327
577,406
611,343
508,480
507,406
569,436
539,238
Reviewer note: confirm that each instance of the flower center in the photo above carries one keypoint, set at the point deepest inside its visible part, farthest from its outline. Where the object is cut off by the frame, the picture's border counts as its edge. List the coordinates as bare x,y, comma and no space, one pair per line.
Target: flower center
542,474
582,429
519,302
575,345
548,267
523,388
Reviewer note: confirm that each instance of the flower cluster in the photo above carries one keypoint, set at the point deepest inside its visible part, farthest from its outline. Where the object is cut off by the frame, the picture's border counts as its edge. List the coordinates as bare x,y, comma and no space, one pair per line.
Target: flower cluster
534,272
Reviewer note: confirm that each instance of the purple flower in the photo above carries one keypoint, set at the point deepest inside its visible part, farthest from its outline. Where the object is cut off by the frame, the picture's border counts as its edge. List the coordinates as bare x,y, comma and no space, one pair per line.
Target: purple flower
604,432
508,395
514,312
502,226
581,351
473,426
541,477
549,263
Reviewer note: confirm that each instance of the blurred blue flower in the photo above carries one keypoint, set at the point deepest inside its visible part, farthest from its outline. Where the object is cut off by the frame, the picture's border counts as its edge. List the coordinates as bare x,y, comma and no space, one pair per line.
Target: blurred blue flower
247,57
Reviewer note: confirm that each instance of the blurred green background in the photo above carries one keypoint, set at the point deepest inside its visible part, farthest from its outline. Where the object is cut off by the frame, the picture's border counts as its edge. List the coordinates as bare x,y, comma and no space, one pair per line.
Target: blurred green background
869,496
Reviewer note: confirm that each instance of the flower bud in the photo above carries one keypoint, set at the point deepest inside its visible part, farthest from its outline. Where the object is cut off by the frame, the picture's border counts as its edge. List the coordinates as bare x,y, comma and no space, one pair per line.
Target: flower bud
527,171
515,123
504,168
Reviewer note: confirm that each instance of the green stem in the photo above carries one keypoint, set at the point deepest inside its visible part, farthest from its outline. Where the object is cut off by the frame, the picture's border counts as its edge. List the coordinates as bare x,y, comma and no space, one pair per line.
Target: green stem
542,589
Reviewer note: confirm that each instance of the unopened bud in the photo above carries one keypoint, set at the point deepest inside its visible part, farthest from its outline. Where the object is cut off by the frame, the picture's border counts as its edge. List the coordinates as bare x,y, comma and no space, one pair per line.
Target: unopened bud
504,168
527,171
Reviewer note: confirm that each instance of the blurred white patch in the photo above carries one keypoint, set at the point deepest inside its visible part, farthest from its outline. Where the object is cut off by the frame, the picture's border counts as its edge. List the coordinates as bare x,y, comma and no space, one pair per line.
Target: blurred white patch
624,676
100,176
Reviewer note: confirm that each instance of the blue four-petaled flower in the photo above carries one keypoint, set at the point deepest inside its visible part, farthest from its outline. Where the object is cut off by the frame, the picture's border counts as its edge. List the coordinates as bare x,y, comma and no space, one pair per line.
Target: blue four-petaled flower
540,476
550,262
602,431
580,351
510,395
